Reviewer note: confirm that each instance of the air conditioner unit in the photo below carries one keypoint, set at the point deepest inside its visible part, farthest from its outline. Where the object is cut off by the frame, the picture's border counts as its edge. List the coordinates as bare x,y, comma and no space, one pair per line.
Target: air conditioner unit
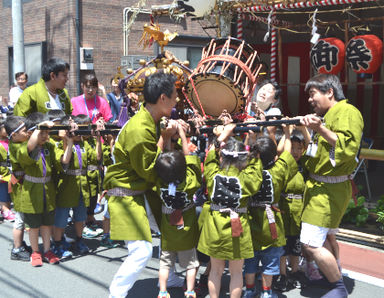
86,58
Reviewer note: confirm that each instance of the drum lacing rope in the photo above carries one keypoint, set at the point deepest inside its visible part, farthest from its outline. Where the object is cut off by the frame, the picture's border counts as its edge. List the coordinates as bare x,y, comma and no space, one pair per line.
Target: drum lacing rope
197,96
189,102
230,59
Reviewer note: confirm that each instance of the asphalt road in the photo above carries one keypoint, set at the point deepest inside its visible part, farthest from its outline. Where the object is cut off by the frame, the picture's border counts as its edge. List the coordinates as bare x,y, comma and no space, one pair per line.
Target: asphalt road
90,275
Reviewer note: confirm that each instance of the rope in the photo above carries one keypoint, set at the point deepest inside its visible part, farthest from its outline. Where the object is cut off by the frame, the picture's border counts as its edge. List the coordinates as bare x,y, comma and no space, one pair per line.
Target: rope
197,96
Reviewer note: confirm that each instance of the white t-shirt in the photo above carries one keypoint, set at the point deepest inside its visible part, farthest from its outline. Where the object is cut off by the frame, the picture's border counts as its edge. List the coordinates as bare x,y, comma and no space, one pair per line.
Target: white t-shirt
54,103
14,95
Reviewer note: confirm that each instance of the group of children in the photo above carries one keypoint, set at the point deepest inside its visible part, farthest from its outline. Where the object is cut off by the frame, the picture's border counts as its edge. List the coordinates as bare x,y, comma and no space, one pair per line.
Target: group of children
46,173
252,216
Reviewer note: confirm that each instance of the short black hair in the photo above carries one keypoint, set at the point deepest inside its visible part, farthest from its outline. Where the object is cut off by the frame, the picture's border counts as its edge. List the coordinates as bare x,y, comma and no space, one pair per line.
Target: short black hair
171,167
35,118
13,122
90,80
65,120
324,82
19,74
81,119
55,114
267,150
297,136
157,84
54,65
240,161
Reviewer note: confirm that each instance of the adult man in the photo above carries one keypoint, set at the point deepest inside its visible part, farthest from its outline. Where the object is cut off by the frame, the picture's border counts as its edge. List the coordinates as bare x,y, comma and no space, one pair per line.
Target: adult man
48,93
15,92
131,178
331,158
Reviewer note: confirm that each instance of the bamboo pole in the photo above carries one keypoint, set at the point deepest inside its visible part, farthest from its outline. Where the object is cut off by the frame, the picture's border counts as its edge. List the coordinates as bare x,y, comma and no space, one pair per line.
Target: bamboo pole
372,154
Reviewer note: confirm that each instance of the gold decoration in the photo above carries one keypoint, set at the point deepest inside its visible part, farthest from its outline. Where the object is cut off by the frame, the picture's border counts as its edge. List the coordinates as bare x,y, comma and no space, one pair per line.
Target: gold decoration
152,32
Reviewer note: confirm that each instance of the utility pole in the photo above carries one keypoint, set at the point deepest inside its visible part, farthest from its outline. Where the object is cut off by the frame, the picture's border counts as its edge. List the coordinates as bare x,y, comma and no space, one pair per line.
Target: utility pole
18,36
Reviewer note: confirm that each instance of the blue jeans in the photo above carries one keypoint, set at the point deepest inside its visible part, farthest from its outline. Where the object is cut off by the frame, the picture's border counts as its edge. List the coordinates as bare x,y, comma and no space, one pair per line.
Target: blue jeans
270,261
79,214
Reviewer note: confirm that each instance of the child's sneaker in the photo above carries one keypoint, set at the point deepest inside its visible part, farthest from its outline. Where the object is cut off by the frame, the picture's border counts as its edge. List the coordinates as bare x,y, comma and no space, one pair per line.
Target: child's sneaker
51,258
9,215
249,294
268,294
107,242
67,242
164,294
281,283
20,254
82,247
189,294
60,252
36,259
89,233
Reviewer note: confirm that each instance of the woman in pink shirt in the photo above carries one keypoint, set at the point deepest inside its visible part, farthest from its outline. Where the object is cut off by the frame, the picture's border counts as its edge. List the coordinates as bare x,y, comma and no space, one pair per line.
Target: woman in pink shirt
89,103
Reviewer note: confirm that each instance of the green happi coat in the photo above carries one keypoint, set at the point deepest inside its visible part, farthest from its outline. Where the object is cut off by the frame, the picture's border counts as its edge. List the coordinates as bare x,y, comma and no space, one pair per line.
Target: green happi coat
5,174
70,187
17,171
281,172
172,238
325,203
135,154
216,236
31,195
35,98
107,156
291,208
93,174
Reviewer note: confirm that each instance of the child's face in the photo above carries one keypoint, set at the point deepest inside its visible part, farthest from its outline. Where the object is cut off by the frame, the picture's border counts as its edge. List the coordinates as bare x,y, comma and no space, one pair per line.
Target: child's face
297,150
21,136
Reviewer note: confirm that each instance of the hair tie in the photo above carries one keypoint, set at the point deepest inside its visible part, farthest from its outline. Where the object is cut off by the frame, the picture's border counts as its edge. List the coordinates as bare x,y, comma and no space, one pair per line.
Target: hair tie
234,154
16,130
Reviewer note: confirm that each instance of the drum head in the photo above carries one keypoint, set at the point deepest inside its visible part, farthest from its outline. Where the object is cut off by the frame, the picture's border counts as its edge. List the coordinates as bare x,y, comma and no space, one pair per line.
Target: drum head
216,94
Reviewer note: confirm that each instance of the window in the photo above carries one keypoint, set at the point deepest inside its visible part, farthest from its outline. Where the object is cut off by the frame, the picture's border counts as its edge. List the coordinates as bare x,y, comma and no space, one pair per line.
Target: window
35,56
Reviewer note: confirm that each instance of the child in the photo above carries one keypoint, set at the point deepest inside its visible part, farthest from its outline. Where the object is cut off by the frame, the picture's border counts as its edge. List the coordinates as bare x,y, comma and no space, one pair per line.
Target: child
73,192
37,157
180,178
15,128
91,229
291,206
265,219
5,175
232,177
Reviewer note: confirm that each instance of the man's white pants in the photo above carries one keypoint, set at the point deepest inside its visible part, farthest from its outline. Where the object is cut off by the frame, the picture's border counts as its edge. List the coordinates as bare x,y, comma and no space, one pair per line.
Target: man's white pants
139,253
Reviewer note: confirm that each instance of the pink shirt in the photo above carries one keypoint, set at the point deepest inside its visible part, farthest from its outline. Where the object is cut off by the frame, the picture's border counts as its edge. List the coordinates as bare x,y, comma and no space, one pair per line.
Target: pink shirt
5,144
102,107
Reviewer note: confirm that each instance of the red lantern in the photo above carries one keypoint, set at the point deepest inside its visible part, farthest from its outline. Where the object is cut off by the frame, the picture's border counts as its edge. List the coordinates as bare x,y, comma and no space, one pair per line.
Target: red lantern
364,53
327,55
